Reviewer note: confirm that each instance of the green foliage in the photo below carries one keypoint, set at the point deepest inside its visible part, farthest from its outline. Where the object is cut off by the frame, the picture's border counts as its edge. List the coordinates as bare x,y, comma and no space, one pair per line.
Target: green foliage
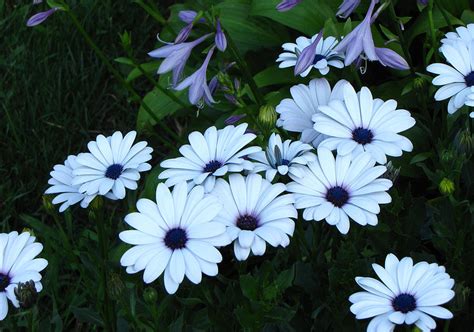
56,95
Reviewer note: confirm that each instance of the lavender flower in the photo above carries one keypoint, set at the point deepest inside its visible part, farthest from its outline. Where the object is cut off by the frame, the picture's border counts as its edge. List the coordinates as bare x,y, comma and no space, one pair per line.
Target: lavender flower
197,83
390,58
286,5
306,58
359,40
347,7
175,56
220,40
423,2
233,119
184,34
39,18
188,16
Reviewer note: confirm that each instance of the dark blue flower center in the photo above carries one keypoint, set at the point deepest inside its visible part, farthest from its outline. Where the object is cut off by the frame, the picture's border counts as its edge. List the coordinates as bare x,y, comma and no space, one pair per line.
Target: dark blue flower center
362,136
404,303
317,58
469,78
247,222
4,281
113,171
212,166
176,238
337,196
285,162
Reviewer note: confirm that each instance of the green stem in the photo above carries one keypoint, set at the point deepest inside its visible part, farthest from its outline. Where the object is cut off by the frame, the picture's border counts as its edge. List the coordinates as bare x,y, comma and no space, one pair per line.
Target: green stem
401,38
432,30
111,68
108,311
245,71
445,15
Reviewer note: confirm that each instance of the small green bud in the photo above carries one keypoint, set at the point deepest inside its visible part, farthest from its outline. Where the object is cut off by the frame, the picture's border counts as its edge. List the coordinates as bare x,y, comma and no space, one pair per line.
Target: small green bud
116,285
447,156
150,295
464,141
48,204
446,186
267,116
26,294
29,230
419,83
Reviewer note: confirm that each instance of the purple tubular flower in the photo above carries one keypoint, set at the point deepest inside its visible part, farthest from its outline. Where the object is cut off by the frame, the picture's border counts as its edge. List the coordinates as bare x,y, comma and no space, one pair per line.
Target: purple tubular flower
233,119
423,2
390,58
175,57
347,7
188,16
306,58
197,82
286,5
39,18
220,40
184,34
359,40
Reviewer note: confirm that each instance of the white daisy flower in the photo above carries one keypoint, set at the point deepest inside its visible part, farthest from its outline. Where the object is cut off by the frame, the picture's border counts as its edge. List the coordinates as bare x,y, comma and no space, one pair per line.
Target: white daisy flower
470,102
209,156
408,294
325,55
457,78
296,113
341,188
462,34
360,123
280,157
113,164
18,264
175,235
61,184
254,213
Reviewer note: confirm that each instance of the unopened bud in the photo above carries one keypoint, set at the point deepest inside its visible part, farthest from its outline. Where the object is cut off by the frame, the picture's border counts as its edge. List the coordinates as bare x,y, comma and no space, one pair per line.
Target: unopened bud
26,294
116,286
150,295
267,116
446,186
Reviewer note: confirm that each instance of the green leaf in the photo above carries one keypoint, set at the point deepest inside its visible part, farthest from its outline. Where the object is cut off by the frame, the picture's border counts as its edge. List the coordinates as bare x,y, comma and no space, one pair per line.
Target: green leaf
285,278
420,157
149,67
124,60
274,75
249,286
308,17
87,315
235,19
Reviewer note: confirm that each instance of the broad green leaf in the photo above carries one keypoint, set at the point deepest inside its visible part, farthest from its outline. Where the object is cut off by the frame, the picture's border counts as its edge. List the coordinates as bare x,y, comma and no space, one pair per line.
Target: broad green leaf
420,157
149,67
308,17
246,32
249,286
274,75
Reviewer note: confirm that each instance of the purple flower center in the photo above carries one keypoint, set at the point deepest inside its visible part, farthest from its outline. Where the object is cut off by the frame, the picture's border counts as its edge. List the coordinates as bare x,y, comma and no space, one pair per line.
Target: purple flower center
362,136
113,171
469,78
337,196
317,58
176,238
247,222
4,281
212,166
285,162
404,303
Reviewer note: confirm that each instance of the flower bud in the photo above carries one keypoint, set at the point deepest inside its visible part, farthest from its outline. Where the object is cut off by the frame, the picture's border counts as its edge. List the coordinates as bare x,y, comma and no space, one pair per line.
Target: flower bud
220,39
39,18
48,204
446,186
116,285
26,294
267,116
306,58
183,34
234,119
150,295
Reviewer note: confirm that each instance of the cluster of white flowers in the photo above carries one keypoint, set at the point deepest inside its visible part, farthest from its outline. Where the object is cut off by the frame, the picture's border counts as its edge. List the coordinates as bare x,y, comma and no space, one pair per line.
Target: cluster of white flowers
112,164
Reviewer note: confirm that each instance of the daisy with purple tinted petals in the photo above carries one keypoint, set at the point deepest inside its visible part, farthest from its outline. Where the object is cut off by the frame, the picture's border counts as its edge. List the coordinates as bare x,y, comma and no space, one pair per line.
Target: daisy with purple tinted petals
113,164
18,264
462,34
61,184
324,54
407,294
255,213
336,189
210,155
457,78
296,113
360,123
279,157
176,235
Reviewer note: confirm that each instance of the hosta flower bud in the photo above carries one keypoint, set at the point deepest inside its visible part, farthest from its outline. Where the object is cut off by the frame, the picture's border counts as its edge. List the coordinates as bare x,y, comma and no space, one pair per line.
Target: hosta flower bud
446,186
116,285
26,294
